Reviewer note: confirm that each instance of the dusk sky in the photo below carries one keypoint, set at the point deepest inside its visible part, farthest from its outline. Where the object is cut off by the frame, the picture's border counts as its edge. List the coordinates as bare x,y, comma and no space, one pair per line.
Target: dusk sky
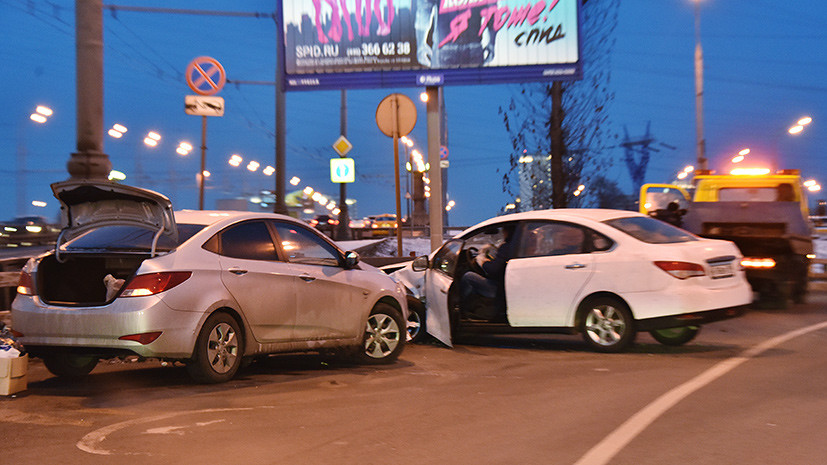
764,66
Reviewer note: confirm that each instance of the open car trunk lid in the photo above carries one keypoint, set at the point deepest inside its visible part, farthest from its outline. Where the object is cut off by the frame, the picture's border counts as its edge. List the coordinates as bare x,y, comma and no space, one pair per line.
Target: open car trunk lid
90,204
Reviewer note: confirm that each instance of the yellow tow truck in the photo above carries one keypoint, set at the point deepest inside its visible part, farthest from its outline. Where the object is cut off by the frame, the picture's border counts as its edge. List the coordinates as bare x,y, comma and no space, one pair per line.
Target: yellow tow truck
765,214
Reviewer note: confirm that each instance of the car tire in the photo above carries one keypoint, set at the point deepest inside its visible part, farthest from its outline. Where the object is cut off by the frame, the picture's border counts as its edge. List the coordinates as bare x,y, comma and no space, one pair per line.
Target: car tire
675,336
66,365
384,336
218,350
606,324
416,322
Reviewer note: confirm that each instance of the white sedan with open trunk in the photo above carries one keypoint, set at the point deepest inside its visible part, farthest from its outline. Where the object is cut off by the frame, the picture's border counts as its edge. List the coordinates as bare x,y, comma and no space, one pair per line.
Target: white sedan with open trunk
606,274
130,277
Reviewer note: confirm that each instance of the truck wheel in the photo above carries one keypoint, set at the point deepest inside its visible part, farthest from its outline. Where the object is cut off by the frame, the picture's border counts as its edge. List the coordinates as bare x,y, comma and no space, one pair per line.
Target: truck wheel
773,295
799,291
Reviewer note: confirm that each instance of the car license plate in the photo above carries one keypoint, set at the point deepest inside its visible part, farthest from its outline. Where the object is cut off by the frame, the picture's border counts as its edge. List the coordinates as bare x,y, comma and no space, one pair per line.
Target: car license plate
720,271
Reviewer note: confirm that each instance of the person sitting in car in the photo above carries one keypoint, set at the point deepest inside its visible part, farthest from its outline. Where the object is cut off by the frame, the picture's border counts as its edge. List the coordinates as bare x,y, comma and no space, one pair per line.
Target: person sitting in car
488,280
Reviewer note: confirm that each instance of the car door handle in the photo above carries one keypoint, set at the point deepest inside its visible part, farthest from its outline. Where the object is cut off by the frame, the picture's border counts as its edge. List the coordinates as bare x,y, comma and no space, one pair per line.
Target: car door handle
307,278
575,266
237,271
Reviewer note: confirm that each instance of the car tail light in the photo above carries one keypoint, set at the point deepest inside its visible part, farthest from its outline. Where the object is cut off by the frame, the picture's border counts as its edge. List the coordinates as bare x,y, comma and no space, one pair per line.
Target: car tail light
153,283
681,270
143,338
25,285
757,263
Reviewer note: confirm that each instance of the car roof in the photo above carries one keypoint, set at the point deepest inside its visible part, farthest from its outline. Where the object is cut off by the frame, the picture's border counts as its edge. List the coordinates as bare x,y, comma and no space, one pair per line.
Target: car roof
208,217
562,214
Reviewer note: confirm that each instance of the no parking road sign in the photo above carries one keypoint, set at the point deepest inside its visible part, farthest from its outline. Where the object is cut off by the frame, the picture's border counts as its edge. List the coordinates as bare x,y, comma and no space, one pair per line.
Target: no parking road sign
206,76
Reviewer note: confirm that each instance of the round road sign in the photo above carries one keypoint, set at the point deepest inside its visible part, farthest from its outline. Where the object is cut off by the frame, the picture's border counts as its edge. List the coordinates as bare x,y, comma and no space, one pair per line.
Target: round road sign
405,117
206,76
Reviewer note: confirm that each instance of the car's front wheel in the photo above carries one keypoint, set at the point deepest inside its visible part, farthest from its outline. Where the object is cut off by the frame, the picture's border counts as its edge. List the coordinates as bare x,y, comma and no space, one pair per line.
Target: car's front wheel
416,321
218,350
606,324
69,365
384,336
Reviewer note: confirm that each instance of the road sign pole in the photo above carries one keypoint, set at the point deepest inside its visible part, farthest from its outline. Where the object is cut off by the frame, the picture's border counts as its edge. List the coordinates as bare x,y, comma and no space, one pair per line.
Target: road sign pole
203,162
395,112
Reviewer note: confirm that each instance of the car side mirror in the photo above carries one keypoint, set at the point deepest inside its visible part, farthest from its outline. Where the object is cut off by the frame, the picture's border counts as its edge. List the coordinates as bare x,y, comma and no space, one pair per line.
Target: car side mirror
351,260
420,263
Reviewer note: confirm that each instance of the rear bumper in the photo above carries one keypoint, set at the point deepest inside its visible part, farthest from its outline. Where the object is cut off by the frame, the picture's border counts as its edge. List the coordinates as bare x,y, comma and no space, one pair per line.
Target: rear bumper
98,329
690,319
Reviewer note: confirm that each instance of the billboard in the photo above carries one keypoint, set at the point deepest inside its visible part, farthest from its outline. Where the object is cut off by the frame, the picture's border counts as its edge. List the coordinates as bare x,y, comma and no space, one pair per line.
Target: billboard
413,43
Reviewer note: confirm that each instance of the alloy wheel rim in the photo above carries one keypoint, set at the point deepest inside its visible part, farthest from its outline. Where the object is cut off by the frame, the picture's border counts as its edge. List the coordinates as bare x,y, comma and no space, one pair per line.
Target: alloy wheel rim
414,325
222,348
605,325
382,336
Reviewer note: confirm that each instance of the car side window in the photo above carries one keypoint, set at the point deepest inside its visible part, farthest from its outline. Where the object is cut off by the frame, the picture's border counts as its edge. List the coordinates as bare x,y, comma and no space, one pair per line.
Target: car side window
250,240
303,246
541,239
445,260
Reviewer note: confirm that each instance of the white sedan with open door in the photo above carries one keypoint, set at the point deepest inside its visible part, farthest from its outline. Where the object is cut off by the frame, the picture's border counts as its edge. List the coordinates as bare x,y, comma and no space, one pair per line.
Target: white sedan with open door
606,274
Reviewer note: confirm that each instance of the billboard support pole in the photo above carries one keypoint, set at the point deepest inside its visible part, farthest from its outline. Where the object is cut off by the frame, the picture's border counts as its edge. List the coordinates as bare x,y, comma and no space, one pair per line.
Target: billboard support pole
280,205
435,207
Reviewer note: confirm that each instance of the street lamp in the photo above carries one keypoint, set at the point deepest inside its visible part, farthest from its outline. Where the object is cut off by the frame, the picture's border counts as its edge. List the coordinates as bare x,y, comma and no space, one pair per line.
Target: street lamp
794,130
41,114
741,155
799,125
152,138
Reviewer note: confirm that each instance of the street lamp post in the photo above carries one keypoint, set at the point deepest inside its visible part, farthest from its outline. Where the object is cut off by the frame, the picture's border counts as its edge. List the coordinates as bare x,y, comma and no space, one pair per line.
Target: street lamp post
699,91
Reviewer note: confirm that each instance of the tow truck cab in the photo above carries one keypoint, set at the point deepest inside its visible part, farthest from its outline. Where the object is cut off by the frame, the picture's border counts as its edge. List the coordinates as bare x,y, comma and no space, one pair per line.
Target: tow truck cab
765,214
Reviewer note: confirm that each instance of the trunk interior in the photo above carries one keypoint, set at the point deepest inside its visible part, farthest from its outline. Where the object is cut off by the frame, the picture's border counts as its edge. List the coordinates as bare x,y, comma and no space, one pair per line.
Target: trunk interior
84,280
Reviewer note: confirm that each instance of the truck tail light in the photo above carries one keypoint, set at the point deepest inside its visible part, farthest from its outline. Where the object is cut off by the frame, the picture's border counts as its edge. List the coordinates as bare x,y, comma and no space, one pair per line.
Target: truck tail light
681,270
154,283
757,263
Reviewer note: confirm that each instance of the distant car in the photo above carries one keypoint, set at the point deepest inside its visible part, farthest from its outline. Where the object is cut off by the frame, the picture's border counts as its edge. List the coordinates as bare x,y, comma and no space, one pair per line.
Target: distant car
208,288
620,272
383,225
324,223
359,227
27,231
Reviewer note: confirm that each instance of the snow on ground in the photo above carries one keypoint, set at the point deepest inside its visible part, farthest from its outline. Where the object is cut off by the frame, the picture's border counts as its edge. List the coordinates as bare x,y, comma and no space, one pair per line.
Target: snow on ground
387,247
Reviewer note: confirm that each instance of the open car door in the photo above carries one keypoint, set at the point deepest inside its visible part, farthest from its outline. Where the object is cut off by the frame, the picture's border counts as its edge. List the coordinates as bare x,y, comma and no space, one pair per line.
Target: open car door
438,279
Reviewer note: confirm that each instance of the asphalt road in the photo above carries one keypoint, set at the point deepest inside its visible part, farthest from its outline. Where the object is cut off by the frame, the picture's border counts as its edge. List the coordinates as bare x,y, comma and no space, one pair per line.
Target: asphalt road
748,390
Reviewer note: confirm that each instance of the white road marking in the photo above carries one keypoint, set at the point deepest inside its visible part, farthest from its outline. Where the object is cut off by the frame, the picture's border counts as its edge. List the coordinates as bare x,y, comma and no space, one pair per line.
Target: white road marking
91,442
606,449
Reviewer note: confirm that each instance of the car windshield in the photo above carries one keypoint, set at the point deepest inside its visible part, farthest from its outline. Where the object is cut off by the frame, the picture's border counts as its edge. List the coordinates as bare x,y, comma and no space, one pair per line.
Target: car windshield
129,238
650,230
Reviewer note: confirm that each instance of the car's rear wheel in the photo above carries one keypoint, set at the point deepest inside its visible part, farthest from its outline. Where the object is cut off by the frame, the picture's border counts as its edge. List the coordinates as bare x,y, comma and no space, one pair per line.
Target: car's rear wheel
606,324
69,365
384,336
218,350
675,336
